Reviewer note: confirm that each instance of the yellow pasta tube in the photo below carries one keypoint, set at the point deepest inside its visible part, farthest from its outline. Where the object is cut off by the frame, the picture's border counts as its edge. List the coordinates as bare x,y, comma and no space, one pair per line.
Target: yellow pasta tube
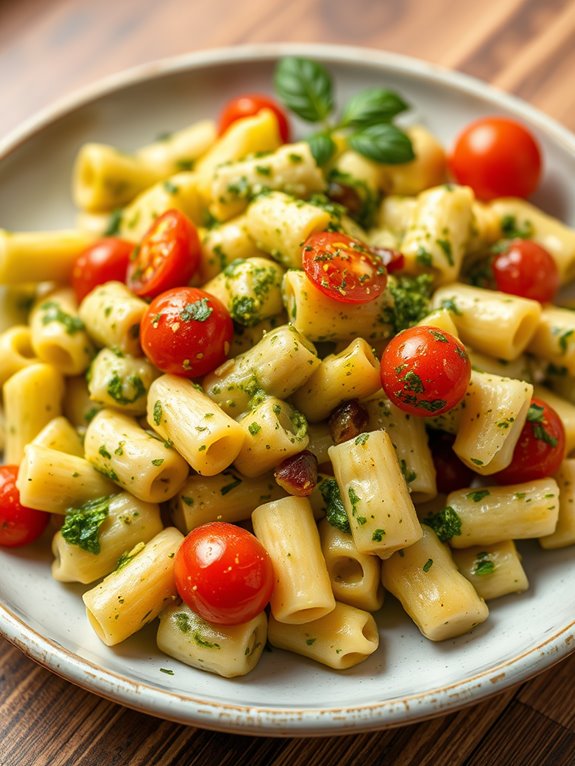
518,368
227,650
128,522
112,316
441,319
287,530
121,381
15,304
179,150
32,397
355,577
78,407
343,638
40,256
395,214
493,570
278,365
440,601
374,493
245,338
224,243
16,351
179,411
145,466
351,374
134,595
564,532
429,168
554,338
51,480
273,431
59,434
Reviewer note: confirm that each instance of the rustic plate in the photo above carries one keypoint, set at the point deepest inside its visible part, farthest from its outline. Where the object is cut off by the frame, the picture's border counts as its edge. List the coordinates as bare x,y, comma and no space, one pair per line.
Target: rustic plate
409,678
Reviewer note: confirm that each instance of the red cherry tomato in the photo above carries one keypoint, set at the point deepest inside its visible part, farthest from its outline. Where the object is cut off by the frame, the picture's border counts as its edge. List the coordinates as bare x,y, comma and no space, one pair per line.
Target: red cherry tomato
105,261
223,573
540,449
451,473
497,157
343,268
249,105
525,268
19,525
425,371
168,256
186,331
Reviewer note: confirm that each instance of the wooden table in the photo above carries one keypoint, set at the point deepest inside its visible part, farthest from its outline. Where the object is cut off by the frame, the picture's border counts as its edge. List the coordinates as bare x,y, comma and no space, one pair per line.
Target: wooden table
49,48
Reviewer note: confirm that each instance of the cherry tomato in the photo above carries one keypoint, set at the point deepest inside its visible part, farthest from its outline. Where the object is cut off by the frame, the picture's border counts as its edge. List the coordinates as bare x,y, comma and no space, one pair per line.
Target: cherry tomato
525,268
223,573
343,268
168,256
497,157
104,261
540,448
186,331
393,260
425,371
19,525
451,473
249,105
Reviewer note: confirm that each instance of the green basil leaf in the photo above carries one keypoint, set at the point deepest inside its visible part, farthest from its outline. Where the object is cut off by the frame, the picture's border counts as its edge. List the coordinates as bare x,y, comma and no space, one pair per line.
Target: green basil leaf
322,147
305,87
383,143
372,106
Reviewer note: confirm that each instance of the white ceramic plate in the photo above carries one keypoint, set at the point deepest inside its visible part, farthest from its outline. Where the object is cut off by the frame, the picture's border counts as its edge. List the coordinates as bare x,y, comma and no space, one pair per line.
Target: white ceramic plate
409,678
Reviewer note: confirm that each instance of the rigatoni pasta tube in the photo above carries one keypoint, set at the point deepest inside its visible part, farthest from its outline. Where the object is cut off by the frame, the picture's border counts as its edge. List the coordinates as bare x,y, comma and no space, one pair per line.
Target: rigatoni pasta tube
564,532
40,256
343,638
355,577
498,324
129,521
134,595
32,397
278,365
53,481
489,515
227,650
223,244
374,493
179,411
59,434
78,407
145,466
440,601
287,530
121,381
179,150
493,570
16,351
351,374
554,338
112,315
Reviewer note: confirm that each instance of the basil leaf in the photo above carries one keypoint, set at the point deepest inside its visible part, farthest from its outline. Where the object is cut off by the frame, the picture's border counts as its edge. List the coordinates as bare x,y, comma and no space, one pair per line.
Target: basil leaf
383,143
372,106
305,87
322,147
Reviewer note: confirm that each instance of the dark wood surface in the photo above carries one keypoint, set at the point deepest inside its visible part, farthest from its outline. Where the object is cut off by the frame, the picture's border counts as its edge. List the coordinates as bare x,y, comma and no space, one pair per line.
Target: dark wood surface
48,48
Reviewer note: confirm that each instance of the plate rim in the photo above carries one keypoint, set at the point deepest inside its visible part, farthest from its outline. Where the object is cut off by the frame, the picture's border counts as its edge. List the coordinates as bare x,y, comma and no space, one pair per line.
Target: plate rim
262,720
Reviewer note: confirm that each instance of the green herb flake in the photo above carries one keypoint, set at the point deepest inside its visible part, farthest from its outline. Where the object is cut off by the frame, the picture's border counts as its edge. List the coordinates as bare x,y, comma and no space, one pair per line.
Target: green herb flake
167,671
535,416
450,305
427,566
231,486
361,439
477,495
104,452
157,413
198,311
334,507
53,312
158,461
82,525
483,564
377,535
446,523
254,428
119,390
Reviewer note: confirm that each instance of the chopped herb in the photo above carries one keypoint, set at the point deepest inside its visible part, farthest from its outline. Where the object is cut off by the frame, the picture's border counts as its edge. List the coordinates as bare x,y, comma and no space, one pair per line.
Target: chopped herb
427,566
254,428
199,311
450,305
82,525
187,500
361,439
446,523
117,388
114,223
377,535
167,671
232,485
408,473
171,187
354,499
158,461
423,257
445,245
563,338
310,641
478,495
157,413
127,556
483,565
476,461
535,415
512,230
334,507
55,313
411,300
104,452
439,336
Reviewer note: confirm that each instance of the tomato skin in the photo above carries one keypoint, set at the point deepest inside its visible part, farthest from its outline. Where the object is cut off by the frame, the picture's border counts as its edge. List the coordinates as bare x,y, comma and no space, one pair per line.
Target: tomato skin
425,371
249,105
179,344
451,472
106,260
19,525
343,268
534,457
223,573
168,256
496,157
525,268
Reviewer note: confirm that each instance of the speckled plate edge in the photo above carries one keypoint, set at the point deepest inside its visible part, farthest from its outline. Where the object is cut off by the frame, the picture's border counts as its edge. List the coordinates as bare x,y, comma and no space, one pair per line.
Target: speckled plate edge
291,721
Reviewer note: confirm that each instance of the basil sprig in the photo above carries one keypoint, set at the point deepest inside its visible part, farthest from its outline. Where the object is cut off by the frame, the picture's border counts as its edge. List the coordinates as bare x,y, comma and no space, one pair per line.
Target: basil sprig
306,88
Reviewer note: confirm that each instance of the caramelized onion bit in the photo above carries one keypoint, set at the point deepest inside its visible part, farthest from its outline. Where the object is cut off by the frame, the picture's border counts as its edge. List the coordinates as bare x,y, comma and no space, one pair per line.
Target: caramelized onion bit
298,474
347,421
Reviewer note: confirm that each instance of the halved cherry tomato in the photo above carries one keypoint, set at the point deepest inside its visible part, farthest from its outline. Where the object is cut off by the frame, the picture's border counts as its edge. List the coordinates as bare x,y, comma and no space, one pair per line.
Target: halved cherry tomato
497,157
168,256
540,448
451,473
393,260
249,105
525,268
223,573
19,525
343,268
425,371
105,261
186,331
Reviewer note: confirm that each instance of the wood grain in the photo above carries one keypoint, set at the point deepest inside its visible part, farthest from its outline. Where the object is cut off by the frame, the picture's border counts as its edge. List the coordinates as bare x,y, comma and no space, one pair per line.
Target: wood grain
48,49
